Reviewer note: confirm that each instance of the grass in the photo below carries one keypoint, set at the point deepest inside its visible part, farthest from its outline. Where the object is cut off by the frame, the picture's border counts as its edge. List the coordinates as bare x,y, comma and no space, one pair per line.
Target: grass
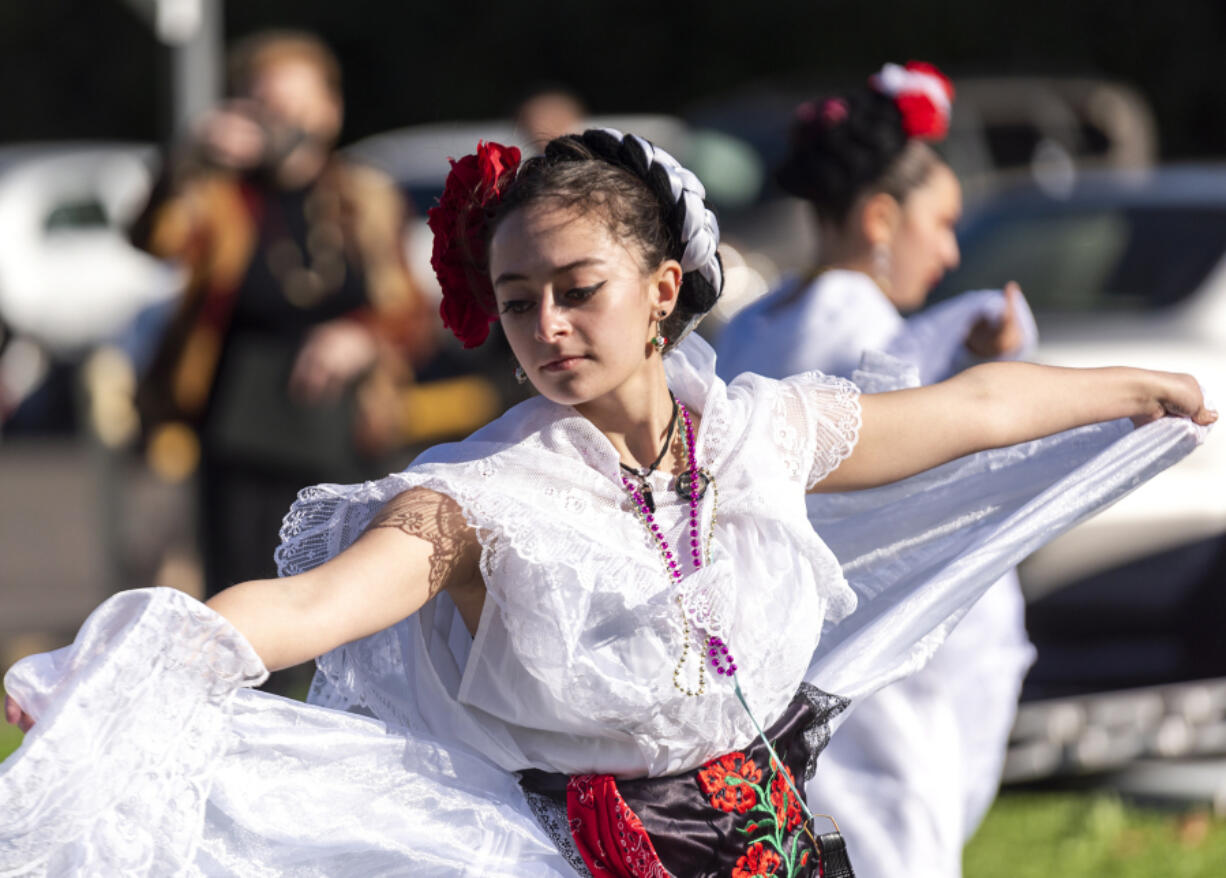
10,738
1080,835
1038,835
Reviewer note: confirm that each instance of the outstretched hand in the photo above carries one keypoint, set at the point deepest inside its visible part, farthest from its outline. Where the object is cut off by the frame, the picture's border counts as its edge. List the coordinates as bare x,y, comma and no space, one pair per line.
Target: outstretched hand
991,338
1176,395
16,716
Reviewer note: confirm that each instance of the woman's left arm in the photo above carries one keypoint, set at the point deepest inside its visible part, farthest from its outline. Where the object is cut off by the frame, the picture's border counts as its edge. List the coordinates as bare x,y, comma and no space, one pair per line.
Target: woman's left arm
905,432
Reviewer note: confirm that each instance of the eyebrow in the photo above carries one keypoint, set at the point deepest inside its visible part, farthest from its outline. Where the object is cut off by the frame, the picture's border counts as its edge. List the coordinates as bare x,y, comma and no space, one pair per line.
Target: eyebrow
509,276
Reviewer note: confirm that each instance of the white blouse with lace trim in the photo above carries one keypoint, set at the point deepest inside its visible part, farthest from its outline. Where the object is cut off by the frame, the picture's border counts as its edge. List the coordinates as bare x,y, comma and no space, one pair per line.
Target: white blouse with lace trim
571,669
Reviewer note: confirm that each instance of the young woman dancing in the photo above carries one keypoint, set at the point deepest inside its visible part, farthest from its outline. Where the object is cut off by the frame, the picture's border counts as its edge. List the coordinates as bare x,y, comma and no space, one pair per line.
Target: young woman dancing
557,640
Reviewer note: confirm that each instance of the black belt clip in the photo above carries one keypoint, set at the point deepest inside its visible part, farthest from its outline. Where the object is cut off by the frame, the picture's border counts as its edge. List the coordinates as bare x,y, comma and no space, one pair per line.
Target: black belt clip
832,849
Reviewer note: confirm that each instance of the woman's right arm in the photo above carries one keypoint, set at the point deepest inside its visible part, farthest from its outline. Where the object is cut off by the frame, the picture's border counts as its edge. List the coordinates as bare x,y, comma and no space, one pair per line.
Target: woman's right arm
416,546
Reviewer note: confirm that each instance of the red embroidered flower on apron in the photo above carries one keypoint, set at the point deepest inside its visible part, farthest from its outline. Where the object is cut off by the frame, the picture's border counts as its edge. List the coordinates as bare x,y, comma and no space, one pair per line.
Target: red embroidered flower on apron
758,862
787,809
731,782
773,828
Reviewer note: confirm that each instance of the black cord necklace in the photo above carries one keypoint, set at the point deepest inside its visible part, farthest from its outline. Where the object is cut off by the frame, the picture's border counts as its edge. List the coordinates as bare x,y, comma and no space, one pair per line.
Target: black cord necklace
642,474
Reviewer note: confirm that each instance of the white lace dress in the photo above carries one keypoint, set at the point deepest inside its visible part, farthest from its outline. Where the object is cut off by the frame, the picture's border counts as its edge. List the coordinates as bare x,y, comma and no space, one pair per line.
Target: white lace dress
915,767
151,758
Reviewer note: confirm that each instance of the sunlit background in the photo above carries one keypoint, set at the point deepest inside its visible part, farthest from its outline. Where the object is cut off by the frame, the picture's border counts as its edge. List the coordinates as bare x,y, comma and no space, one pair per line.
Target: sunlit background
1089,137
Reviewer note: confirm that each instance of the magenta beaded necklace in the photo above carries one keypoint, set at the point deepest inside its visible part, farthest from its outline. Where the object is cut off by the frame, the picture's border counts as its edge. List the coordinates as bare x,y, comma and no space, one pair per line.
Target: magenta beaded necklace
720,658
717,651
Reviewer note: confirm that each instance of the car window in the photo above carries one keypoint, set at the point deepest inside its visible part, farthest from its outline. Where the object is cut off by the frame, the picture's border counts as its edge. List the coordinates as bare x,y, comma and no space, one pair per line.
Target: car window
75,215
1112,259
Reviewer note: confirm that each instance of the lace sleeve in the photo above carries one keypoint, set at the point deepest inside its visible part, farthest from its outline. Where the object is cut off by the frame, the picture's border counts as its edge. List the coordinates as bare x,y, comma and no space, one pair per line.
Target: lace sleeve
368,675
817,423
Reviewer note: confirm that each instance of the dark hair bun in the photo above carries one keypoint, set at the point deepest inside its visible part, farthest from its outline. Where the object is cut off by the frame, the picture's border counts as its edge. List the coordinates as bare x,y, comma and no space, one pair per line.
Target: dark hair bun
841,145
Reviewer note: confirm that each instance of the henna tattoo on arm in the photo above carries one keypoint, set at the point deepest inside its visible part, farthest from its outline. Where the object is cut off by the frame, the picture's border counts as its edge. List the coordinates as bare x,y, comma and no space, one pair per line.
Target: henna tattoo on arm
437,519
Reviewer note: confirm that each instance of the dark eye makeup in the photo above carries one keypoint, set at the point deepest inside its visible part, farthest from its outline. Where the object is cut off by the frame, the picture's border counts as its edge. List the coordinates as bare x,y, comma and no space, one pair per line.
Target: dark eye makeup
582,294
573,296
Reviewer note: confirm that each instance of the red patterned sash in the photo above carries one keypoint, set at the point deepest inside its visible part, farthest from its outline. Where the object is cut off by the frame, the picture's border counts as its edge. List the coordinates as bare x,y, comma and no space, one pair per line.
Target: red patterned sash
609,836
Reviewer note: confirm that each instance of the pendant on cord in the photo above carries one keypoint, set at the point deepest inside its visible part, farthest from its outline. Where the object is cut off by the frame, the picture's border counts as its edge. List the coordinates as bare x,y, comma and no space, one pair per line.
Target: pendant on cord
689,491
648,497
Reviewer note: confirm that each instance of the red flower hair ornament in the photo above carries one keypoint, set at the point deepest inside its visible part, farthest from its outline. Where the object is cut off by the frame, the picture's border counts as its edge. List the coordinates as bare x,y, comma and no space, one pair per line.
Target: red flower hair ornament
459,222
923,94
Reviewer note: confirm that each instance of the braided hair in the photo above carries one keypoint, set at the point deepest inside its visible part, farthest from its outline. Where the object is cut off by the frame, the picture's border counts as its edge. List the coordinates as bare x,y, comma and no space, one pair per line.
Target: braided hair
847,146
645,195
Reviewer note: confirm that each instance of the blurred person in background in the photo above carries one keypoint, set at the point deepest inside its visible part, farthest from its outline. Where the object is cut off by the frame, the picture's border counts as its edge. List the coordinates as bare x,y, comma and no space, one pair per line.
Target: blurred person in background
916,766
300,321
548,112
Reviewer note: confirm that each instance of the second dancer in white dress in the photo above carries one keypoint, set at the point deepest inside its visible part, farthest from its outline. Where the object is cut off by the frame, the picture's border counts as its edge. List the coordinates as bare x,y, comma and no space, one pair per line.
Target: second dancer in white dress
915,767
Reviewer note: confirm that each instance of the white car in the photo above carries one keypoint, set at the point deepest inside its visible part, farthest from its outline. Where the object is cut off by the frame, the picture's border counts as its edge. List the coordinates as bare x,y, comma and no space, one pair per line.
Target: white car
69,278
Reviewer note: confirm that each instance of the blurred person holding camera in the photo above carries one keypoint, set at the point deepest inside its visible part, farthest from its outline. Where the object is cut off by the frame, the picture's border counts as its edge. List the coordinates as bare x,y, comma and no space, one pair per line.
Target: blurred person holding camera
300,320
915,767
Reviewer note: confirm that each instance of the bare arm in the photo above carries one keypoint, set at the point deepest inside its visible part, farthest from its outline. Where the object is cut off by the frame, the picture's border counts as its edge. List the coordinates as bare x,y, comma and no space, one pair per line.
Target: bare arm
908,431
417,545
